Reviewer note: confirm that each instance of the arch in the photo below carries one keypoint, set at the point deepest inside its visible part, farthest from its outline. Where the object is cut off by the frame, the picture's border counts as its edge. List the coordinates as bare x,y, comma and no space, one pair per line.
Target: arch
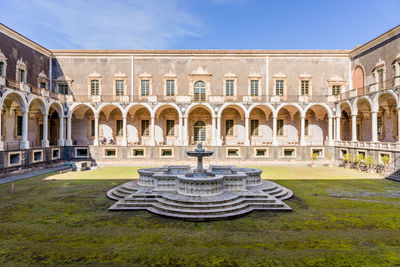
357,100
228,105
195,105
42,104
327,108
358,76
375,100
288,104
75,105
57,106
159,105
103,105
145,105
260,104
339,107
20,99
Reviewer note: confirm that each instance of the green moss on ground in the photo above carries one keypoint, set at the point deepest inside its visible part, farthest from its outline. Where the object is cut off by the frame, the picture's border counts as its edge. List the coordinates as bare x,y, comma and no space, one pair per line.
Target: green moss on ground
333,222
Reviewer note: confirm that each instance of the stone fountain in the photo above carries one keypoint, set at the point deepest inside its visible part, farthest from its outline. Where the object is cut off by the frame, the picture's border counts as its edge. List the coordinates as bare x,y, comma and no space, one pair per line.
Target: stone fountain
218,192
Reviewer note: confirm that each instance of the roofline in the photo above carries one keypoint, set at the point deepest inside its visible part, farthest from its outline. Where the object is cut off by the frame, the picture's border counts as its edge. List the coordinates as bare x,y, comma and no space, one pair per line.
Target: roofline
178,52
390,33
26,41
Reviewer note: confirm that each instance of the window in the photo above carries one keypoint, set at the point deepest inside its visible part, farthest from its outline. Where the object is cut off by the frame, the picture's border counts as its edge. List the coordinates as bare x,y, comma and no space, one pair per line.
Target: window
145,87
279,128
254,127
229,127
229,87
288,152
306,124
200,91
254,87
42,85
21,75
199,131
119,127
166,152
170,127
119,87
138,152
305,87
170,88
145,130
380,77
94,87
279,87
261,152
1,68
336,89
41,131
19,125
92,128
358,134
233,152
380,124
63,89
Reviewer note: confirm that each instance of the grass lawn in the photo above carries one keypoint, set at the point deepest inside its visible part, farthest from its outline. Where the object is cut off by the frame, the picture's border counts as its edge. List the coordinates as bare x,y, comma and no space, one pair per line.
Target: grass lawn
334,222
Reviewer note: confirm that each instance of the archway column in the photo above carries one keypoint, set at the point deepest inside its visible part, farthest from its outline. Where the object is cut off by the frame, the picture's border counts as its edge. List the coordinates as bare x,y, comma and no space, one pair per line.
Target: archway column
152,129
69,139
186,131
24,143
354,127
61,138
124,127
398,125
302,130
219,141
374,122
274,129
247,129
1,137
330,128
213,131
180,131
96,130
338,135
45,140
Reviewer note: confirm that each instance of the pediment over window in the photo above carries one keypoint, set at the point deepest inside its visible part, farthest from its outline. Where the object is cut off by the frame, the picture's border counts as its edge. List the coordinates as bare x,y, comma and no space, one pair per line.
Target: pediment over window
200,71
2,56
21,64
230,75
42,75
94,74
255,75
170,75
63,78
145,75
280,75
120,75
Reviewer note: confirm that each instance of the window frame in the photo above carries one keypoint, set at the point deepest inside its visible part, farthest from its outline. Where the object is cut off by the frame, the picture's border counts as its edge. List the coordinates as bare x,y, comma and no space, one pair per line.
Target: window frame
231,130
119,129
144,129
254,129
169,129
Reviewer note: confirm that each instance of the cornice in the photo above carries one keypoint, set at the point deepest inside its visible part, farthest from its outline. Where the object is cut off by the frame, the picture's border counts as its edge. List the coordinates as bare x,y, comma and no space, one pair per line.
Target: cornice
381,38
198,53
20,38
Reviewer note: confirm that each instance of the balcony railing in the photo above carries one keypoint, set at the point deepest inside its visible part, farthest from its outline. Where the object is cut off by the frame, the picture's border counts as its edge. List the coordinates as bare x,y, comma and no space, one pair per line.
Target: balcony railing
370,88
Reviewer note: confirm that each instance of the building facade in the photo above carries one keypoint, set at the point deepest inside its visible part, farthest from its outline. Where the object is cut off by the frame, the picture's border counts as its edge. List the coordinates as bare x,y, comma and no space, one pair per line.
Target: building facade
149,106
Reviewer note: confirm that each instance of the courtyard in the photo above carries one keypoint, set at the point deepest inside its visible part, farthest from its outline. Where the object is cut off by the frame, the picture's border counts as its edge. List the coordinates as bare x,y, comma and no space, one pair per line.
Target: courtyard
340,217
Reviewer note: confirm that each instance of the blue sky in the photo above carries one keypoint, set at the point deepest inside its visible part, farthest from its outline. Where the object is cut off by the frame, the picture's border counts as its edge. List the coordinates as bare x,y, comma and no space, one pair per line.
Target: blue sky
200,24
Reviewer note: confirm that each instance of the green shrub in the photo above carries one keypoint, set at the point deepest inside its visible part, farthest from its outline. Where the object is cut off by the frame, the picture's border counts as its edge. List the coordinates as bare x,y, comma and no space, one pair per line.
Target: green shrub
314,156
348,157
385,160
369,161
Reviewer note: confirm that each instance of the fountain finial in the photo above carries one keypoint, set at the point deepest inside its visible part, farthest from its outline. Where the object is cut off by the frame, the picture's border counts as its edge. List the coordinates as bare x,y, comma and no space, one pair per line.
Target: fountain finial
199,152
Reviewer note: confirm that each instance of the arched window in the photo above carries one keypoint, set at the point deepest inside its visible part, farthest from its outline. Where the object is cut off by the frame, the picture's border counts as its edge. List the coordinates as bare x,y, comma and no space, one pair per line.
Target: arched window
199,132
358,78
199,91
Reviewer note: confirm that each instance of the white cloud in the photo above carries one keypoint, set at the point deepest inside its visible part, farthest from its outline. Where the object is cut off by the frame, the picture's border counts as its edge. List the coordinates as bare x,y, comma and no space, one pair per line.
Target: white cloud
107,24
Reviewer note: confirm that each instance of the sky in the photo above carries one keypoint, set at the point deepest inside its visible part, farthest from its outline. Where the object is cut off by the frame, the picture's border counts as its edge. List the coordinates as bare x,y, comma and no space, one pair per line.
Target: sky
200,24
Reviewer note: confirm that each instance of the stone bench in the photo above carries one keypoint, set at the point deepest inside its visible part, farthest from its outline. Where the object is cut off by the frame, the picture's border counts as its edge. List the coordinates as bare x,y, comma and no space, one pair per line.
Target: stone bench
80,165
